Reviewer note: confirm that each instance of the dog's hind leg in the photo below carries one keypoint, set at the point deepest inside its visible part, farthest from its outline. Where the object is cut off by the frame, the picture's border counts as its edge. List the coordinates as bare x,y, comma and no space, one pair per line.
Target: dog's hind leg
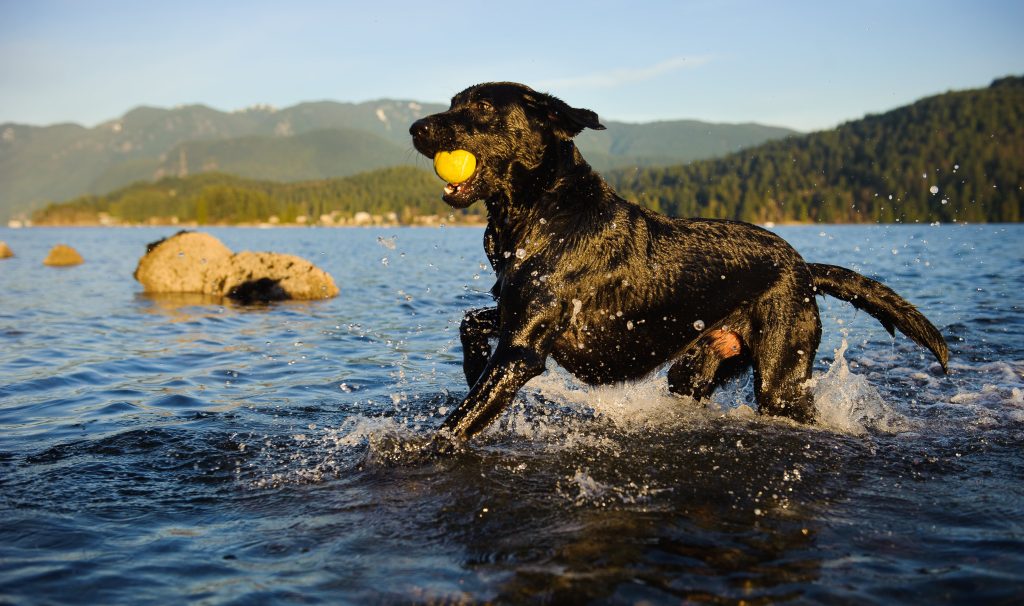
788,331
706,364
477,328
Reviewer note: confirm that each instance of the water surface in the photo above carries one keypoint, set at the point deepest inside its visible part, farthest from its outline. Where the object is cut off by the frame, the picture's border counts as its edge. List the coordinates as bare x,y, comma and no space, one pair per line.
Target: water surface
178,449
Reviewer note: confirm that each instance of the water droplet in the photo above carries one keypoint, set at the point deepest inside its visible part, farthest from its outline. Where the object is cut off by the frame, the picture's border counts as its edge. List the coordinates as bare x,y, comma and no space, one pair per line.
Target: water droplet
934,189
520,253
577,305
698,325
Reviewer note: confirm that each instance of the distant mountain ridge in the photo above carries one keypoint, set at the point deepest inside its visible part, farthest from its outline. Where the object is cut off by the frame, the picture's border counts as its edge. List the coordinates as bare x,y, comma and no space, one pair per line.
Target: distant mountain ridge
313,140
65,160
958,156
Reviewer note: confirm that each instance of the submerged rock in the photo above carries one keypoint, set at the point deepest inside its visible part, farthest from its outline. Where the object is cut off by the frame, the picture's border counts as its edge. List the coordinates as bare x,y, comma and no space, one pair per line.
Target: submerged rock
5,251
63,255
195,262
181,263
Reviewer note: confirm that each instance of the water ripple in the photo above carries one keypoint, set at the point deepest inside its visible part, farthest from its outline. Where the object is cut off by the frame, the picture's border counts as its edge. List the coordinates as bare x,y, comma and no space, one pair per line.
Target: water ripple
156,448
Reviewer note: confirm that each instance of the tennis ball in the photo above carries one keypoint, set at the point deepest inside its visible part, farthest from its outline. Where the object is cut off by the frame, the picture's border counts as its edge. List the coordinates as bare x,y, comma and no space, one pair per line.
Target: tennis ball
455,166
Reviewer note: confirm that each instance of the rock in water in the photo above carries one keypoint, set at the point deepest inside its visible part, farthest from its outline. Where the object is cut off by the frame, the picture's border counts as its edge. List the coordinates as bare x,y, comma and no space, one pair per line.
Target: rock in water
199,263
181,263
5,251
263,276
63,255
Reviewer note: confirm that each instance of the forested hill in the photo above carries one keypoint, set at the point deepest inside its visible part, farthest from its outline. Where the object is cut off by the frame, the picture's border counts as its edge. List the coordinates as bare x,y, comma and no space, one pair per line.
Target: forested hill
308,141
411,194
956,156
953,157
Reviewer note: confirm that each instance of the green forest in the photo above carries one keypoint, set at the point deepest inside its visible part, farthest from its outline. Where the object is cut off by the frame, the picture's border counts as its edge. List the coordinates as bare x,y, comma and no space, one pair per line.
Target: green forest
218,199
953,157
958,156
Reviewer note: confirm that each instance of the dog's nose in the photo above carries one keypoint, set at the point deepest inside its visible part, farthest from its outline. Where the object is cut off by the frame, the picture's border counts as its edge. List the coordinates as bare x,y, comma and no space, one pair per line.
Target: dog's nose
420,128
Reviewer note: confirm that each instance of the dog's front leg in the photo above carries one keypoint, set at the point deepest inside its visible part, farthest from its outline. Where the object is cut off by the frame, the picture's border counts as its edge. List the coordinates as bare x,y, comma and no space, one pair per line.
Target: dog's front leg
478,327
508,370
524,342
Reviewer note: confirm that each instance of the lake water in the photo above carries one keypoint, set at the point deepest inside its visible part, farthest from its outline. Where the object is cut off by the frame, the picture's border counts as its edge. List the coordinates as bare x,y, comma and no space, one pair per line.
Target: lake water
173,449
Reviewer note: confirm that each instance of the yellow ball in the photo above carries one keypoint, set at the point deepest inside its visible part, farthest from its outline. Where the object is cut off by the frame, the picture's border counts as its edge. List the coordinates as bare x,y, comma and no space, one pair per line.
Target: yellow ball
454,167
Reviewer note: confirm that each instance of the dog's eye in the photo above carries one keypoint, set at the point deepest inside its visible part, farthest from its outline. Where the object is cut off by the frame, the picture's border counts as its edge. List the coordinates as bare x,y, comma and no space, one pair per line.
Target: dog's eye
484,105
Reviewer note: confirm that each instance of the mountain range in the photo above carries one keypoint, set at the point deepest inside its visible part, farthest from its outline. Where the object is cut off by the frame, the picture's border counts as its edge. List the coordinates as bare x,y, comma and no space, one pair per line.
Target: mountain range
315,140
957,156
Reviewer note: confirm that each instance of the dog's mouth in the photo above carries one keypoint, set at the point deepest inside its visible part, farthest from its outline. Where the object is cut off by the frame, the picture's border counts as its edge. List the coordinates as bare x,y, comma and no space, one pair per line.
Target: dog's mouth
460,195
459,170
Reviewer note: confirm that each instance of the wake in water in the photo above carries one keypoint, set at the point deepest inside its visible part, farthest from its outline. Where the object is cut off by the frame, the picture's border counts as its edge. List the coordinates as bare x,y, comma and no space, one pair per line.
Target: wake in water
844,402
555,413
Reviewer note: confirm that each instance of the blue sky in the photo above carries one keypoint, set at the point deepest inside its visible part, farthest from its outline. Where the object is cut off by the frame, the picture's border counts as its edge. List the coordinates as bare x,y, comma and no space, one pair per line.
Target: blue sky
806,65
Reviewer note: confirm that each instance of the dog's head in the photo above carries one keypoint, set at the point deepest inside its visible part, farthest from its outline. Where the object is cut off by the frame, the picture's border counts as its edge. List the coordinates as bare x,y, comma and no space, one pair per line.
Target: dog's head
508,127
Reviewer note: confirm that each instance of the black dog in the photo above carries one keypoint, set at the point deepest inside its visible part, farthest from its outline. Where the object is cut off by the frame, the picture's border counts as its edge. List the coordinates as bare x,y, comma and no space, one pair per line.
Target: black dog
612,290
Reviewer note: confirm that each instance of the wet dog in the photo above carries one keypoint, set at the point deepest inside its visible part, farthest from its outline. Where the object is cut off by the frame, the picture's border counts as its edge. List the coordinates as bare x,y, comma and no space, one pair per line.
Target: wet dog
611,290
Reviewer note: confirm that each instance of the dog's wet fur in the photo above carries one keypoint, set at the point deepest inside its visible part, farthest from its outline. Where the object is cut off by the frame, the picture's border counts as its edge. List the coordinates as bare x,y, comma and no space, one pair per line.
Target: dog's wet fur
613,291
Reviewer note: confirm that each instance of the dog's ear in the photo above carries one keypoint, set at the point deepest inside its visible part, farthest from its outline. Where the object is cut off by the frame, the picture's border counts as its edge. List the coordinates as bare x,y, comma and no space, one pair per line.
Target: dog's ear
567,121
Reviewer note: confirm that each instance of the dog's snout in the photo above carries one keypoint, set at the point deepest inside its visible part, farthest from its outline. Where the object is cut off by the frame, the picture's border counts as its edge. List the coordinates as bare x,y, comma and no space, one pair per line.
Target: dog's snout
420,128
424,136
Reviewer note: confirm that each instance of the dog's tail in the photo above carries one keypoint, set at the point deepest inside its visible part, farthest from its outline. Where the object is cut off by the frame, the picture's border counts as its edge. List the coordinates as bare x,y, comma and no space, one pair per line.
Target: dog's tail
892,310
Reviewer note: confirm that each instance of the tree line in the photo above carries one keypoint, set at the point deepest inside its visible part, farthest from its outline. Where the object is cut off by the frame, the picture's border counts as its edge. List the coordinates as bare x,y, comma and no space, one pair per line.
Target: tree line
218,199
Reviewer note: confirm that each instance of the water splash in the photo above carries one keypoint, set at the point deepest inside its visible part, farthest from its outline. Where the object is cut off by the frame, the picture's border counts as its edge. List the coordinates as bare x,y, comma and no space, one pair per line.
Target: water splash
848,403
627,406
319,454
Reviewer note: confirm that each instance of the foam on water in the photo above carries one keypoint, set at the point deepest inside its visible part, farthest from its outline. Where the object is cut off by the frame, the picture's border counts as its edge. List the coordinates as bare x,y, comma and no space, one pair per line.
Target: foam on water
556,413
626,405
844,401
999,399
